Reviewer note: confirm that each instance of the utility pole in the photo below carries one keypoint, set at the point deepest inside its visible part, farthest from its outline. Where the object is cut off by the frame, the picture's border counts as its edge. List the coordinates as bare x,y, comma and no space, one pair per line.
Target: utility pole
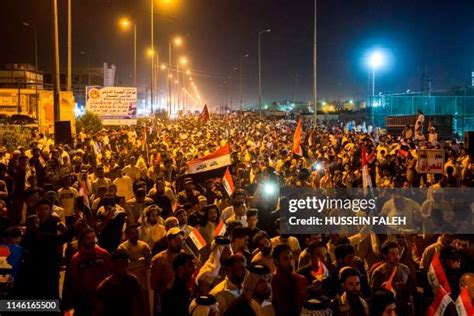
169,80
56,81
315,68
260,71
69,46
152,44
241,75
134,54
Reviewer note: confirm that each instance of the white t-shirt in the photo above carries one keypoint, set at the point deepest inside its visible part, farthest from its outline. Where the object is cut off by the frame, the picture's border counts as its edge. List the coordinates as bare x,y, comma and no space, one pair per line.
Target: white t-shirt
124,187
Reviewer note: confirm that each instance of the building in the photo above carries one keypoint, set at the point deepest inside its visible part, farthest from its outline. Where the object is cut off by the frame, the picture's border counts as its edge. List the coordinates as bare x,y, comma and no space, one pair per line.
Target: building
21,76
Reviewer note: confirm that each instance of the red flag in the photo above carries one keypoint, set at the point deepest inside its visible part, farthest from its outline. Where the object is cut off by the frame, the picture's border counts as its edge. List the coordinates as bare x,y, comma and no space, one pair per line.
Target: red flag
389,284
297,150
220,229
228,183
322,272
310,138
441,301
436,275
366,180
464,304
204,116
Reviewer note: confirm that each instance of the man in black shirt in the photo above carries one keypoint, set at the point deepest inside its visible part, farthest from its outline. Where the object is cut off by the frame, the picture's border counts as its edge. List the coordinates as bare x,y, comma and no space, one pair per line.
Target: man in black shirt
176,299
120,293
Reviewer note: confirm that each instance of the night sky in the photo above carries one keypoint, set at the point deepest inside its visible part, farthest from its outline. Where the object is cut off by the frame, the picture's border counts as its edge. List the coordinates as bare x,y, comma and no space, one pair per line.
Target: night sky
436,34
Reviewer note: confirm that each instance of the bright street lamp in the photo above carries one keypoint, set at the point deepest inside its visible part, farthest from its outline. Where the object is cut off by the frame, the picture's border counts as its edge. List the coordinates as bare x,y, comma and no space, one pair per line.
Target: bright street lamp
126,24
376,60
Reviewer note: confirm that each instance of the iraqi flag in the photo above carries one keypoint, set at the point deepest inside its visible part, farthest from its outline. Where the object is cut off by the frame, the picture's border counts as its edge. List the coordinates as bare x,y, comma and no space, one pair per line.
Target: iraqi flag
464,304
366,180
297,150
389,284
228,183
220,229
436,276
322,272
195,241
216,160
204,116
441,301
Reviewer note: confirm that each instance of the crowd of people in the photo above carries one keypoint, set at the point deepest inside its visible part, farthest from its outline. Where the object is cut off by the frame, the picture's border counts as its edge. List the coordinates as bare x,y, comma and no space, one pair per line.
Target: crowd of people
113,224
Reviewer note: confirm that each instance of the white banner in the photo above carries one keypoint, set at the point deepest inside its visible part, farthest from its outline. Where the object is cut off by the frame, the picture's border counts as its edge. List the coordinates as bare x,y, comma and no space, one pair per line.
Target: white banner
112,104
430,161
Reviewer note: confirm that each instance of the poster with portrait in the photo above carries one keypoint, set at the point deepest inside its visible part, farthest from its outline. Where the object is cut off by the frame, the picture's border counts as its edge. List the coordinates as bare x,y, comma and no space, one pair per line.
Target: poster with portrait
114,105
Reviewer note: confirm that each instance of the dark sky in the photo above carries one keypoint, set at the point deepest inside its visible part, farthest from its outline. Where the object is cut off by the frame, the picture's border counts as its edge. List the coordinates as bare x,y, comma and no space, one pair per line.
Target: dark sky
436,34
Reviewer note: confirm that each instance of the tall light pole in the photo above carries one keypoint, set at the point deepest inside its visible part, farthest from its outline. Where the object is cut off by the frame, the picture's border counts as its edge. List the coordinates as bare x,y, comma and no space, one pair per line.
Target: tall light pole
177,41
183,61
33,26
125,24
375,61
56,80
315,67
152,45
241,74
69,46
260,71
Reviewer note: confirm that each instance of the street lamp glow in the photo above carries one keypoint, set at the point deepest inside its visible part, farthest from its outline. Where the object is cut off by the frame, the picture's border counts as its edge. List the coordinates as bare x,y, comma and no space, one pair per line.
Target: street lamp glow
183,61
150,52
125,23
376,60
188,72
178,41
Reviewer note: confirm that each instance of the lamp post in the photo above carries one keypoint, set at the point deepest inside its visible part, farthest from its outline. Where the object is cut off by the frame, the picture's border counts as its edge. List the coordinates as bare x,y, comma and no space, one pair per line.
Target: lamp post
69,46
241,74
177,41
260,70
375,61
33,26
315,68
126,24
56,80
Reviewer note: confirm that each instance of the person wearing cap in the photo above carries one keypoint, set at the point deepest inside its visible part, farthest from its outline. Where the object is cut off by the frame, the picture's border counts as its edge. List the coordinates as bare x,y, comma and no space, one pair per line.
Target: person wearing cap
177,298
350,301
255,294
120,293
162,274
231,287
204,305
392,274
189,195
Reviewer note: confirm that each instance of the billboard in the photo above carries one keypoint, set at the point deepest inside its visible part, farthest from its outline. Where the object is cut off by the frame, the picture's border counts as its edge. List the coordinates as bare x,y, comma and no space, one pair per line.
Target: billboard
114,105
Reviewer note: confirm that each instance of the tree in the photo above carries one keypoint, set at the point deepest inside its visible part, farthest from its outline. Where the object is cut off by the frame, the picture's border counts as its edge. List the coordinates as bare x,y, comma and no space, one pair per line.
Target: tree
90,122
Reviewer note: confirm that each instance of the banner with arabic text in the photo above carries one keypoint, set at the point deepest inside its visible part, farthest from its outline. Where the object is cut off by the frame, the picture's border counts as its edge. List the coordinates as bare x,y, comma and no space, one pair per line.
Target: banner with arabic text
114,105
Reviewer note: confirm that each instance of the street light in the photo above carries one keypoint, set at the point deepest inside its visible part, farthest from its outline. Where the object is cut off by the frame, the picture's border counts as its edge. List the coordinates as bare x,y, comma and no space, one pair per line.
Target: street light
260,70
126,24
36,64
183,61
241,74
376,60
178,42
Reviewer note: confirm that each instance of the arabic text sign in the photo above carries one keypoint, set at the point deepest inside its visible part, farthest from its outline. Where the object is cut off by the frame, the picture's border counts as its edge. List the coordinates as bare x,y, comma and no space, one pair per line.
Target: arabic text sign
112,103
430,161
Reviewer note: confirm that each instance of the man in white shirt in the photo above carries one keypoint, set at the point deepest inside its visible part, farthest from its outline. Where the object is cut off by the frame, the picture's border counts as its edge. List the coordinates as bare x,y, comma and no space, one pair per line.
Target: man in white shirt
124,184
67,200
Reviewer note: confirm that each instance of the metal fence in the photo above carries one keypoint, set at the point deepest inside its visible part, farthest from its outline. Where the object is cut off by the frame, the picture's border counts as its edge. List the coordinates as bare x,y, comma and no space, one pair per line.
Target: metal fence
460,107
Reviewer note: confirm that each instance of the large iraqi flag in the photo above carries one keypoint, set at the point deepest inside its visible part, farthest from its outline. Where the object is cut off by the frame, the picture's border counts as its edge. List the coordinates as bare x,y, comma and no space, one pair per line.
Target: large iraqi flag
436,276
216,160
